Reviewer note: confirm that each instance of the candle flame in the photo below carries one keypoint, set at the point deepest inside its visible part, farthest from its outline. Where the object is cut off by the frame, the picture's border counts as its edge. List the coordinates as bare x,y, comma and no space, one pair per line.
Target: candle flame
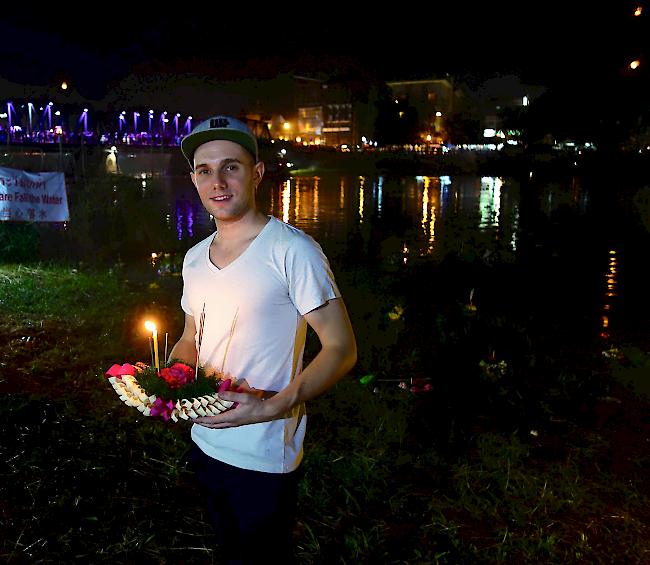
150,326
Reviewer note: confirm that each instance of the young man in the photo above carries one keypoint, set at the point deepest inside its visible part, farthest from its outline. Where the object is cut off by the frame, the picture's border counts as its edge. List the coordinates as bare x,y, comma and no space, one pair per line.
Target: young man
259,283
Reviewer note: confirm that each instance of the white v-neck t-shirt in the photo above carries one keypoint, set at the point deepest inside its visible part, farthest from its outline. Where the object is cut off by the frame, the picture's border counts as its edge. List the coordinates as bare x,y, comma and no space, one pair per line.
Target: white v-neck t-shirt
254,330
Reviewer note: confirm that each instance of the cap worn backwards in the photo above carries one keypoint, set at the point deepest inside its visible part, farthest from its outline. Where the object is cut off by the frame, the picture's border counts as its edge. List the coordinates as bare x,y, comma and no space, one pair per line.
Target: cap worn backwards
219,127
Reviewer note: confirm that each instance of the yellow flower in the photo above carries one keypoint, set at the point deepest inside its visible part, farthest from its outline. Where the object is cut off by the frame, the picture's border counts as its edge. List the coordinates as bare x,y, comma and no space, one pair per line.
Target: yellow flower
396,313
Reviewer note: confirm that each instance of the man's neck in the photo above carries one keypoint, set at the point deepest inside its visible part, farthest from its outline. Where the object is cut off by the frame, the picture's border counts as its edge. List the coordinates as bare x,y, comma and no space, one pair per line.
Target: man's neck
242,228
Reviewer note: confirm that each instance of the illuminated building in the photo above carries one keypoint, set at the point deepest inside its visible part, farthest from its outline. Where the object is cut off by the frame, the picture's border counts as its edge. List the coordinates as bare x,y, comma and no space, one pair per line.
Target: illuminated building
433,101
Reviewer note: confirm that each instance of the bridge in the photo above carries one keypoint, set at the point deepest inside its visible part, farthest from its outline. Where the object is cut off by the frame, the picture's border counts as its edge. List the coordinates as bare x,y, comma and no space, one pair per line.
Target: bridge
40,136
46,123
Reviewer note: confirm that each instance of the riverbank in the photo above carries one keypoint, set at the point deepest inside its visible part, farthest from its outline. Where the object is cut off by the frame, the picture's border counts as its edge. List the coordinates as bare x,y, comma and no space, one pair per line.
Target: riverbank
134,161
540,459
513,163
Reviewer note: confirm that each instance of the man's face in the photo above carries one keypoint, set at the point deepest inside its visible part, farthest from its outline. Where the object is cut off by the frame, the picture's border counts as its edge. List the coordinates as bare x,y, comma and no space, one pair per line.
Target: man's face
226,178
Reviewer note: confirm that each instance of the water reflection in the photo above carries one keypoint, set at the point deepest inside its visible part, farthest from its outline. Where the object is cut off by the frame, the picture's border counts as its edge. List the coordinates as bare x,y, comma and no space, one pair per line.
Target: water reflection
490,201
430,202
393,224
184,218
610,293
362,181
450,214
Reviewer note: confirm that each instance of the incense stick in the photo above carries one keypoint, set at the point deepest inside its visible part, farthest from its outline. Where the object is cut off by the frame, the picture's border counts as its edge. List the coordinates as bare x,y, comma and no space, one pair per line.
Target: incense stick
166,336
232,332
198,349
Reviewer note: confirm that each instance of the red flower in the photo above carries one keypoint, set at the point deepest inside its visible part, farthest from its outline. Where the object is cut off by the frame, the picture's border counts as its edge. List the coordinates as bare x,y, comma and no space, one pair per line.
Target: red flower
177,375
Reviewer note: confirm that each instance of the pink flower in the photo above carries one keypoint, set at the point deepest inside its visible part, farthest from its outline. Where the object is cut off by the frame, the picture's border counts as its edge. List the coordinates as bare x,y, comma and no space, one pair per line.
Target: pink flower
177,375
120,370
162,408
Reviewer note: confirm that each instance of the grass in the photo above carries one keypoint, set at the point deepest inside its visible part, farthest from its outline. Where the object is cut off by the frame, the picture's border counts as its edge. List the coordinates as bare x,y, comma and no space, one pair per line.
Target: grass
533,464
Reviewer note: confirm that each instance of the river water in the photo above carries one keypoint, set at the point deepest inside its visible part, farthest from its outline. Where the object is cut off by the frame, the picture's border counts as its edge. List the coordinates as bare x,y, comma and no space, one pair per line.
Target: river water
576,247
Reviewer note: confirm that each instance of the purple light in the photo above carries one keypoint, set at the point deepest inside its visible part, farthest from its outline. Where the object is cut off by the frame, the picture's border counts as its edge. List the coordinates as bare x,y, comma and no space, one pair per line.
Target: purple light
84,117
30,108
48,111
176,123
136,115
10,107
188,125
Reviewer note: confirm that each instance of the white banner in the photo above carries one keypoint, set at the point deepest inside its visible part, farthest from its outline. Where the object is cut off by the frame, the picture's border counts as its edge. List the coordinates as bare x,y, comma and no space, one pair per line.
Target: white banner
32,197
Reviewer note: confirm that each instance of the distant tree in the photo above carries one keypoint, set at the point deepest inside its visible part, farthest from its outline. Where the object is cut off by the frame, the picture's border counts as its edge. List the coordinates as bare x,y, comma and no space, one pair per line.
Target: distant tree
609,113
397,123
463,127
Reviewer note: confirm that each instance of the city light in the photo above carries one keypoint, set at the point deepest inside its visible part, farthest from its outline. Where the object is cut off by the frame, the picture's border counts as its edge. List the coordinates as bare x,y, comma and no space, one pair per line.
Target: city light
635,64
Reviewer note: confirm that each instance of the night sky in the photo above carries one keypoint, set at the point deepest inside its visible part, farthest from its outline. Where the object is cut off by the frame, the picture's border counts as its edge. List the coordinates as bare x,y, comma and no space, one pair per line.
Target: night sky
544,43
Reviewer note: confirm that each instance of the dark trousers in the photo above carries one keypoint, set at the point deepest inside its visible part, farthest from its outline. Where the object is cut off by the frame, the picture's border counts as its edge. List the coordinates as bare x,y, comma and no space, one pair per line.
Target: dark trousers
253,513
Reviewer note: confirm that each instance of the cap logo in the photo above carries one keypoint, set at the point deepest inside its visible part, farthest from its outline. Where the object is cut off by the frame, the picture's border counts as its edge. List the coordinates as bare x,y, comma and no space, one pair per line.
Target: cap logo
219,123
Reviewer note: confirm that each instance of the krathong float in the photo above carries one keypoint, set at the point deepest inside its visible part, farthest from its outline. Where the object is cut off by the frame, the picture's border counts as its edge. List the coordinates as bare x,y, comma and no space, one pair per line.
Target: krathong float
177,391
172,393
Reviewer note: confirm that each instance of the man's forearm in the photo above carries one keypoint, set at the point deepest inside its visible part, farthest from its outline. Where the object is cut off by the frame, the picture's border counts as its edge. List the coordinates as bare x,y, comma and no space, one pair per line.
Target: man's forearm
325,370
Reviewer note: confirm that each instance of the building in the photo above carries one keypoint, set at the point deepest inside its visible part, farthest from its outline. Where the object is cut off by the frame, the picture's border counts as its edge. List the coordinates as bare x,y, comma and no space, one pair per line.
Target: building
433,100
323,115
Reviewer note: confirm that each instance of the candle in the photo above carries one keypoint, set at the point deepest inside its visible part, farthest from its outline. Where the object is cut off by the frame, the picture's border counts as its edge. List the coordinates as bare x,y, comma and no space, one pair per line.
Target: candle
152,328
151,350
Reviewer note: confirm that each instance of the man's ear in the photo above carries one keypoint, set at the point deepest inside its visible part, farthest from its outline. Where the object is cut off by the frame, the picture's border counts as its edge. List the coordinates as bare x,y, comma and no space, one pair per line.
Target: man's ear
193,177
258,173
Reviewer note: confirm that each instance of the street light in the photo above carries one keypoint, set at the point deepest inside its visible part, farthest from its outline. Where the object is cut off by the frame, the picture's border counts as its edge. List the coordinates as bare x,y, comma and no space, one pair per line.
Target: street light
286,126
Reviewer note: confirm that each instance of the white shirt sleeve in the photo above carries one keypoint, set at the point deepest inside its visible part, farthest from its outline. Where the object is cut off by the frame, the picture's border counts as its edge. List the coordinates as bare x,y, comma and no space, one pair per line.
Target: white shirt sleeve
309,276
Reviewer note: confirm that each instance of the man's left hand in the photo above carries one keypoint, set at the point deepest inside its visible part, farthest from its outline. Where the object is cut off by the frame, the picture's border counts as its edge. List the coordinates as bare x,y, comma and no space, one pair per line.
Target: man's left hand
250,409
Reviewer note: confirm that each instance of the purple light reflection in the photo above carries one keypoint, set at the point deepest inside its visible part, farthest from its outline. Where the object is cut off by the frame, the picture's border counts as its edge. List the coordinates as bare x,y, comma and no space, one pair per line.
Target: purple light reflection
184,218
190,221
